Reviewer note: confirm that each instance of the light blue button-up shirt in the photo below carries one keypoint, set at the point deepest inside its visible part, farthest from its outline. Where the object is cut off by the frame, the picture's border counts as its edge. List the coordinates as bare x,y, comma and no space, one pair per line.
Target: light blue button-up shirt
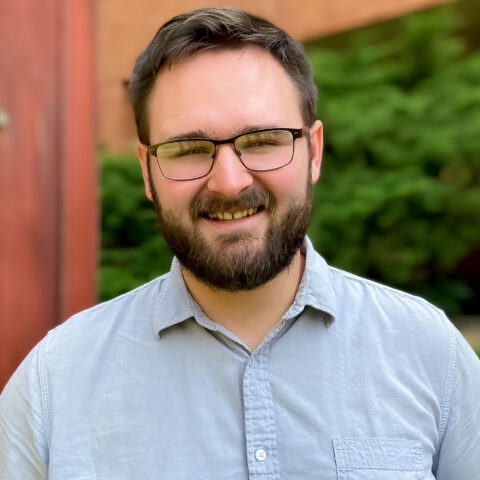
357,381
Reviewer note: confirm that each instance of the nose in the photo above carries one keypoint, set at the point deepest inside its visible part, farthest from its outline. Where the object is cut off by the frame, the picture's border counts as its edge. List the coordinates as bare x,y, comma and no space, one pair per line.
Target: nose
228,176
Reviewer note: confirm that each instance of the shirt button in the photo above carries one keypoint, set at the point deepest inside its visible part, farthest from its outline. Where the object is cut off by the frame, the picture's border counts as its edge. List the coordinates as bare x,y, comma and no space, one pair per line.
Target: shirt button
261,455
253,363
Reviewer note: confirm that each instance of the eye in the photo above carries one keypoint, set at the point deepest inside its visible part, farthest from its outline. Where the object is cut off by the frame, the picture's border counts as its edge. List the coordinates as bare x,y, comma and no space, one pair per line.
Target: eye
185,149
193,151
261,140
260,143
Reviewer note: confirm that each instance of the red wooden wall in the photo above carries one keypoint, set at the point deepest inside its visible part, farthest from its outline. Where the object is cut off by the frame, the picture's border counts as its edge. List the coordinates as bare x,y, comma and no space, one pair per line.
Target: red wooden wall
48,201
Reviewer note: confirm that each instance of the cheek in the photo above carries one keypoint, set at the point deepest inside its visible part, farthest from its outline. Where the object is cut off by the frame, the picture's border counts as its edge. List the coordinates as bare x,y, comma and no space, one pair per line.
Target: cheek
287,180
176,196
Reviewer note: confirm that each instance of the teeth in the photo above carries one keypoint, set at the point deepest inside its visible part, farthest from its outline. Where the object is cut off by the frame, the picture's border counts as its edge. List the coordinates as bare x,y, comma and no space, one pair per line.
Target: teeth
232,216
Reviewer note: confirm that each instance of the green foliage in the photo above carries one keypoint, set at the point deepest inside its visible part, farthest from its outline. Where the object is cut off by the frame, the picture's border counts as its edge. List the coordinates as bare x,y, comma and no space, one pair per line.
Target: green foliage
399,196
399,199
133,251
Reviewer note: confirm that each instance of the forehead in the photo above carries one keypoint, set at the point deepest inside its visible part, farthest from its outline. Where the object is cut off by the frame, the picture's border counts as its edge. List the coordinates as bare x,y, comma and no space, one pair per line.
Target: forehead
222,91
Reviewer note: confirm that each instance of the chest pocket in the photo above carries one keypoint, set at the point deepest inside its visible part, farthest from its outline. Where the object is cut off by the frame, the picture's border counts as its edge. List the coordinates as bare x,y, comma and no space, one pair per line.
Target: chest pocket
378,459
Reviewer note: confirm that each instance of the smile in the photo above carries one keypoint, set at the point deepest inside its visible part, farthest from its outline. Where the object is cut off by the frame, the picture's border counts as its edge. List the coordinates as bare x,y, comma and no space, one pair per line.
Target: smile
229,216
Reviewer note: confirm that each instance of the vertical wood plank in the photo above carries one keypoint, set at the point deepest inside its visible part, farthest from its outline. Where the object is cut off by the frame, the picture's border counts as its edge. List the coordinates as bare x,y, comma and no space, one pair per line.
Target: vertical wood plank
79,173
28,177
46,218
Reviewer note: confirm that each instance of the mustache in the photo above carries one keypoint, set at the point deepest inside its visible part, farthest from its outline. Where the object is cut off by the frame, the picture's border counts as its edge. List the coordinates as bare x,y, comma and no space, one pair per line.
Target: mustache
204,204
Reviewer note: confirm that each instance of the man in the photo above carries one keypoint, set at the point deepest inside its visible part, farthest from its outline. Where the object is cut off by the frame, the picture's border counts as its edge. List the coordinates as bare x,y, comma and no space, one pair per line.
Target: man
252,358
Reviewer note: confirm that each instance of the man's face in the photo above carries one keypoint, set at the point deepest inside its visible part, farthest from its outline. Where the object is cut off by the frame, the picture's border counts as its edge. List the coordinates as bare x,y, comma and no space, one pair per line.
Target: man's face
218,94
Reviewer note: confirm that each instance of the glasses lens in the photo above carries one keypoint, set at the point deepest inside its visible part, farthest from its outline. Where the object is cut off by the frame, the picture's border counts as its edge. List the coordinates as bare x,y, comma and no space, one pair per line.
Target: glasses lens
265,150
185,159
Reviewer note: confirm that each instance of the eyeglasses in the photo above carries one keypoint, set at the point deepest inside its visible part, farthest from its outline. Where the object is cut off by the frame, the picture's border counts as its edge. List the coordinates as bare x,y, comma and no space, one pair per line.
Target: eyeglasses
260,151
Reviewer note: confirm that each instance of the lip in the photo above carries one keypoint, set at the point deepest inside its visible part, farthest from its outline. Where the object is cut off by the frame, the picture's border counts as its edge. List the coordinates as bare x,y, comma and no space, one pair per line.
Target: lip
228,225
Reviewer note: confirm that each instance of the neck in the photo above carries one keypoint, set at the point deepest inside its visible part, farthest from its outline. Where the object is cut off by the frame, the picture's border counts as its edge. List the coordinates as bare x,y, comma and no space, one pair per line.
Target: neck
249,314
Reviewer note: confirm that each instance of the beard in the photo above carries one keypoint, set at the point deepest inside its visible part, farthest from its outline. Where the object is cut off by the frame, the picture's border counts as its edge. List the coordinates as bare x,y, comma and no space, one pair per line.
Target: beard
233,262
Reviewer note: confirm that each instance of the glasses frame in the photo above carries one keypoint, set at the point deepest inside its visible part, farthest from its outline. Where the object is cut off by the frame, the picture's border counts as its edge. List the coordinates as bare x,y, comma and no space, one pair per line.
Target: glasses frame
296,134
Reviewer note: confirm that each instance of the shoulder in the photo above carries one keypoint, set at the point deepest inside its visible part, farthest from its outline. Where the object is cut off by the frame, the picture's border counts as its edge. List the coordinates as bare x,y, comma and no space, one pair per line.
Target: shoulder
85,330
360,301
133,309
395,324
93,336
380,300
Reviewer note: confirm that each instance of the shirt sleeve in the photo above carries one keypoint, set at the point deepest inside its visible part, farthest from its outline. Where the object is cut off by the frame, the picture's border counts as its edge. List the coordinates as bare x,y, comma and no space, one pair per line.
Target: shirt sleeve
460,450
23,439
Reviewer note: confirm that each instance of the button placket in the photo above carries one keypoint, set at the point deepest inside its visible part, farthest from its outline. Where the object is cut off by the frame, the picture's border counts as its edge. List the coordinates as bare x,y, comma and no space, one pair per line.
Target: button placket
259,419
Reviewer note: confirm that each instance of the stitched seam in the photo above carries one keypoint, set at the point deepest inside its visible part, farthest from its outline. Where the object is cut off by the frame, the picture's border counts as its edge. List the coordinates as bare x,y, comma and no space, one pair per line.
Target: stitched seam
43,377
158,301
340,460
347,451
271,412
267,406
248,423
447,399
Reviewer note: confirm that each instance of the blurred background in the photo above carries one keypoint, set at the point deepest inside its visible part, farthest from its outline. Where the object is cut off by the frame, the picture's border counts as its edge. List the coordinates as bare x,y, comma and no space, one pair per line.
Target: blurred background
399,196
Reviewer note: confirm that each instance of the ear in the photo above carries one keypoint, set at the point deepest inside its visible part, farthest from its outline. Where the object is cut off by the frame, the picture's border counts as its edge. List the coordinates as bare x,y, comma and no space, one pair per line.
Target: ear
316,143
142,153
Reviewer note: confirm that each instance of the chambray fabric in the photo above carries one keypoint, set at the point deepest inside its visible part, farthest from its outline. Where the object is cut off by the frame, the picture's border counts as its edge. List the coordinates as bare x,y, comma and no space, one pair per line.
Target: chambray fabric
356,382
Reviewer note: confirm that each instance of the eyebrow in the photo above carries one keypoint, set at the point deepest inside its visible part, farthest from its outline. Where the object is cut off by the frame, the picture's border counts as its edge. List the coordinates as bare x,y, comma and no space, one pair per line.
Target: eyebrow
187,135
201,134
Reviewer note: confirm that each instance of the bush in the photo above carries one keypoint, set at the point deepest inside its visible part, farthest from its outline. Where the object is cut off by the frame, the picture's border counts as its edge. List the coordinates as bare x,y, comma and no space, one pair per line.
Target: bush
133,251
398,200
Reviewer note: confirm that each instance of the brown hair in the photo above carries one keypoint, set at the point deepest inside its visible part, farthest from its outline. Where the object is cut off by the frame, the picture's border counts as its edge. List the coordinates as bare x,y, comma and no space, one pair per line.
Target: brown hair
189,33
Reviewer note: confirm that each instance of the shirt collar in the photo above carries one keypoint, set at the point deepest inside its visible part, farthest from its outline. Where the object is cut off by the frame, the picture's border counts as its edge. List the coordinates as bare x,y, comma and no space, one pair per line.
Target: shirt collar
316,288
174,303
